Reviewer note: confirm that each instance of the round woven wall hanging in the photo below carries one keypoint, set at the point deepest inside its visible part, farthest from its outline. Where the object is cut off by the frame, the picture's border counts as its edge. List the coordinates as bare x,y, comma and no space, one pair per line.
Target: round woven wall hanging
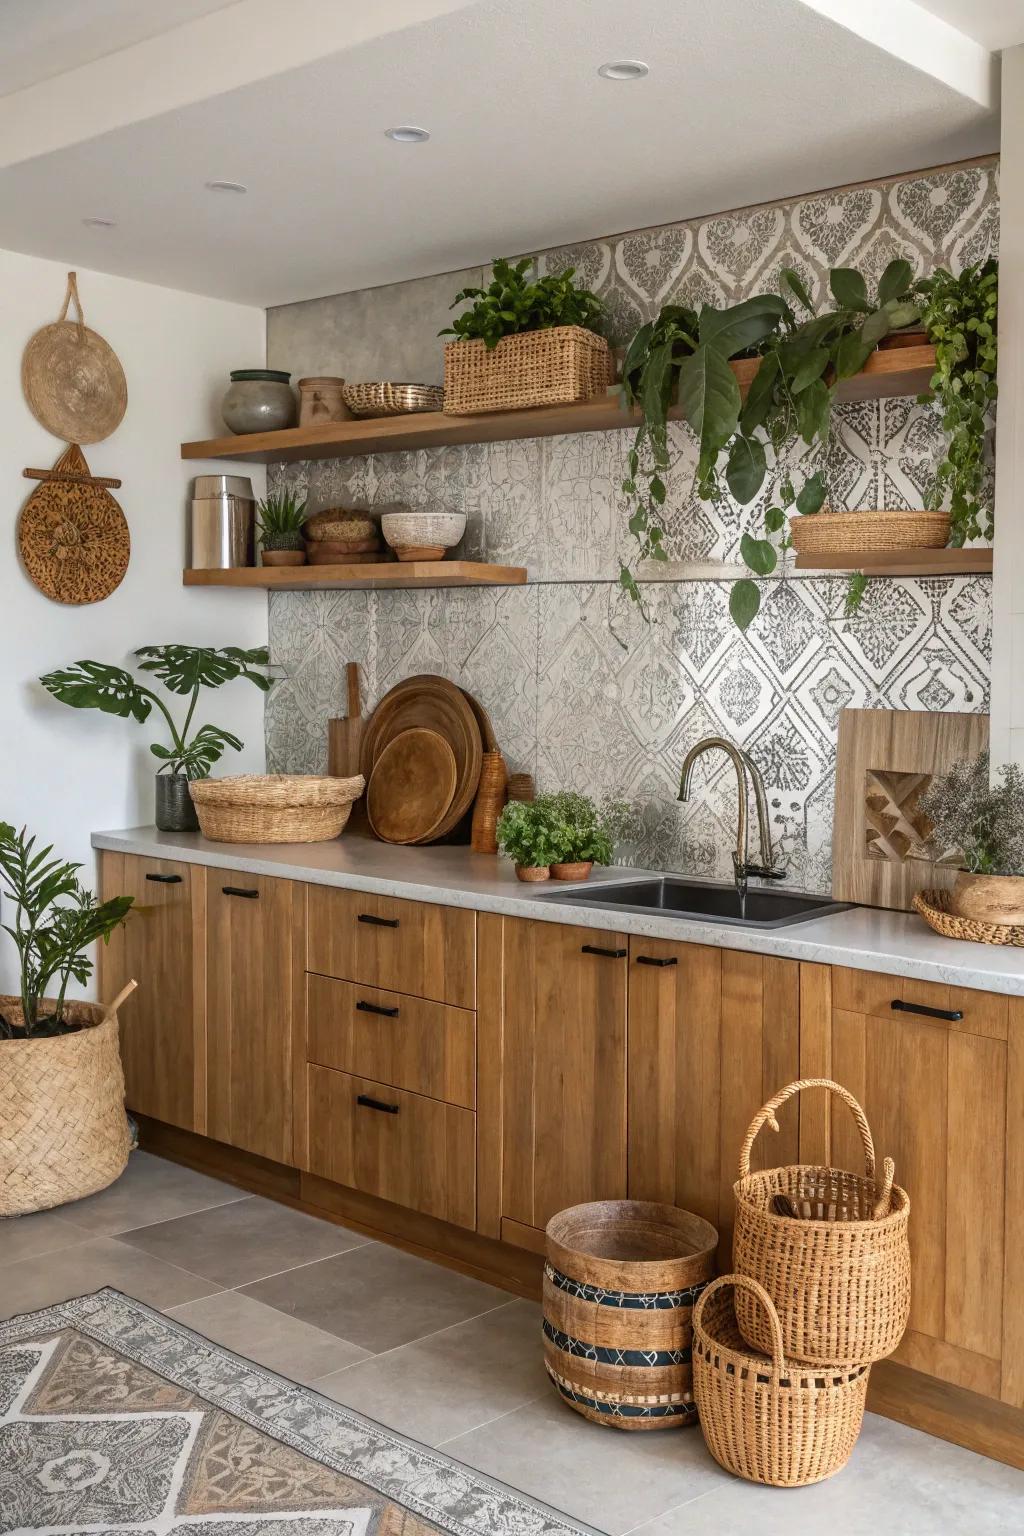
73,537
73,382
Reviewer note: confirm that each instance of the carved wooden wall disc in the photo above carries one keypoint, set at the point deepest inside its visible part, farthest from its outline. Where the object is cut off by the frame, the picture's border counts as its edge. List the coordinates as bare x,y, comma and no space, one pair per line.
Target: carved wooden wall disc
74,540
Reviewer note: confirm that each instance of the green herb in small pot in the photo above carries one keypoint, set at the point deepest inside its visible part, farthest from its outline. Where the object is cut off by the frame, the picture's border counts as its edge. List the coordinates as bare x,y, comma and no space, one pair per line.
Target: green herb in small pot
580,834
524,836
280,518
510,305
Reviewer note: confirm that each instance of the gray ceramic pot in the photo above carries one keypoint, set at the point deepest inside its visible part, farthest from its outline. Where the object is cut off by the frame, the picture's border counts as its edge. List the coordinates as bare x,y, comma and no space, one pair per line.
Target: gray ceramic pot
174,809
258,400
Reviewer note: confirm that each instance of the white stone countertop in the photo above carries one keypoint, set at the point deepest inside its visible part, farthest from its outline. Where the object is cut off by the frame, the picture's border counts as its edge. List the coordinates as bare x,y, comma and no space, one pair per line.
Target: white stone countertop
864,938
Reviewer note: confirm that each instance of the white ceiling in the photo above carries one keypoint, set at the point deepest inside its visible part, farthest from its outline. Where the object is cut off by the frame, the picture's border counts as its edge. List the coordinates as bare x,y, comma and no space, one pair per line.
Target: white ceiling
994,23
744,103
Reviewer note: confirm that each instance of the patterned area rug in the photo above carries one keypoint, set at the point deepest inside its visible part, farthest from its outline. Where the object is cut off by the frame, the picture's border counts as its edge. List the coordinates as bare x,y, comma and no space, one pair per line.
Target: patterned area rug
115,1419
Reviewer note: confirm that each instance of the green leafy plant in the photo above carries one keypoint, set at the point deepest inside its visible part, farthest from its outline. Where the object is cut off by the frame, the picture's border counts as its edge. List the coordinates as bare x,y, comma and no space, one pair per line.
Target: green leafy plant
579,832
511,304
280,517
55,921
184,670
960,315
524,833
980,821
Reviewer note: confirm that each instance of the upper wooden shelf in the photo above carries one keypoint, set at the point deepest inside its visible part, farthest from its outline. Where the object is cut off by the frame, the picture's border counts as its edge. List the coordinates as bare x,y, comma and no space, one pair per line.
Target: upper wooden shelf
371,576
896,371
906,562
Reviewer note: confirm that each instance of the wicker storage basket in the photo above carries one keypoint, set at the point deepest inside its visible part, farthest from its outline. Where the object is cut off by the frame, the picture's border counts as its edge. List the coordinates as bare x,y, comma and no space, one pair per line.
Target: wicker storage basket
839,1272
620,1282
764,1418
826,532
274,807
552,367
63,1130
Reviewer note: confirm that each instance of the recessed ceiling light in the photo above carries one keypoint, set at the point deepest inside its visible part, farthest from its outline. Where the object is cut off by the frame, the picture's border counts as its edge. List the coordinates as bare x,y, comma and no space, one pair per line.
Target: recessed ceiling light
93,223
624,69
225,186
407,134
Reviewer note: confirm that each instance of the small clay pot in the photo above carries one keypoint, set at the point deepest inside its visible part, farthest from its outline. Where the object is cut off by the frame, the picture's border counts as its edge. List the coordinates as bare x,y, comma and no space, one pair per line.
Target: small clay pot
989,898
258,400
578,871
530,872
320,400
283,557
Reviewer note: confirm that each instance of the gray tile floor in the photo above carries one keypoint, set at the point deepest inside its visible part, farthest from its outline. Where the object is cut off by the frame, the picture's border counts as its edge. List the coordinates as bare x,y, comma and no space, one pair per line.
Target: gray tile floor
455,1364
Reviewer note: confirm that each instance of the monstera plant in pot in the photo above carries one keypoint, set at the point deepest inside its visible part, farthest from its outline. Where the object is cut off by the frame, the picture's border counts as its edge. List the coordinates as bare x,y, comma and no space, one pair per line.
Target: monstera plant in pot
184,670
980,822
63,1130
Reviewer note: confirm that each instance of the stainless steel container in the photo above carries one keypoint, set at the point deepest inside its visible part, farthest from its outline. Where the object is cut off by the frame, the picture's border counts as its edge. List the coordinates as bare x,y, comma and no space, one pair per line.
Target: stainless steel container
223,523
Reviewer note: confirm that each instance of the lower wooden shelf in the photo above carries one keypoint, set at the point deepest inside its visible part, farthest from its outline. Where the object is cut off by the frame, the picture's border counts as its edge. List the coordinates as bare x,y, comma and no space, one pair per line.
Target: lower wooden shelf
393,573
895,562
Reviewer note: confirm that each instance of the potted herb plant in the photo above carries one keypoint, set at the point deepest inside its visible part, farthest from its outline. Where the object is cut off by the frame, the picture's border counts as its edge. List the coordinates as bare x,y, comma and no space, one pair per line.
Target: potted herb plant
524,342
63,1130
982,823
580,833
279,518
184,670
524,834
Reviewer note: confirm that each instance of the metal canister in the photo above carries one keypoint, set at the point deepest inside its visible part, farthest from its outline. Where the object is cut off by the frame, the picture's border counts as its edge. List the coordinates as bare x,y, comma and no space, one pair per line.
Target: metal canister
223,523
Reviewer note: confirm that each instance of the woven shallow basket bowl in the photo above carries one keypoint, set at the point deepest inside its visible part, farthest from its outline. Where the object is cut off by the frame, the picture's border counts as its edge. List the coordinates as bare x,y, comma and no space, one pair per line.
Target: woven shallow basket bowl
937,910
825,532
72,379
620,1281
383,398
274,807
63,1130
553,367
838,1273
764,1418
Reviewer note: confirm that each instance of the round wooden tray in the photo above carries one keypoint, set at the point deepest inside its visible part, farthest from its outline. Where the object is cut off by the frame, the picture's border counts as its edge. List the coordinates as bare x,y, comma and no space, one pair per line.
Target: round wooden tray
434,704
411,786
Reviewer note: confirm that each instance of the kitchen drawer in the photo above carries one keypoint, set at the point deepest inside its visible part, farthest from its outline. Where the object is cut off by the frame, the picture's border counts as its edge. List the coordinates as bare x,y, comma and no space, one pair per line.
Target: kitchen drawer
399,1146
872,993
427,1048
405,946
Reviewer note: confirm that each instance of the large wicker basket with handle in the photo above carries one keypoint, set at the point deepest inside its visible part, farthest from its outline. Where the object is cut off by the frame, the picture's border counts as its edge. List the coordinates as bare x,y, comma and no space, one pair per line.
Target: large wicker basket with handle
838,1270
552,367
63,1130
766,1418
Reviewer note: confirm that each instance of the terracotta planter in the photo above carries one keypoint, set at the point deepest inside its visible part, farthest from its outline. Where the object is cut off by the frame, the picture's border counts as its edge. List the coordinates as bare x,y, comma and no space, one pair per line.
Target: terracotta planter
989,898
578,871
527,872
283,557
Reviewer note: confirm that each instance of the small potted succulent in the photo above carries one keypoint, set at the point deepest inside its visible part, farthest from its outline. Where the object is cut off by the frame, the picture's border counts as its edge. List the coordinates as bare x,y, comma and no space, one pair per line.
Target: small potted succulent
581,834
280,518
183,669
982,823
524,836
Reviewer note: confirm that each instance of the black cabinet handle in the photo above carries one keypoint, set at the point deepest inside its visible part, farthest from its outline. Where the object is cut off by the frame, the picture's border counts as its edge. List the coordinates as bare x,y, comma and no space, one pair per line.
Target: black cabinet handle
657,960
165,879
378,922
385,1013
609,954
239,890
954,1015
368,1103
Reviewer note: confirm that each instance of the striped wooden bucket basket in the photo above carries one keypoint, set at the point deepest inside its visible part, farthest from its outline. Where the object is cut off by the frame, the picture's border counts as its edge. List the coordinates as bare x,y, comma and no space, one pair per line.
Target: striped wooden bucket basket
620,1282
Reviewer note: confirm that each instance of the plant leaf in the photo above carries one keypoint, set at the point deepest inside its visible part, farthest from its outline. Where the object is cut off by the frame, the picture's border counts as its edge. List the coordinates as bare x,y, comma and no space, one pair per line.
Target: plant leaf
848,288
895,280
774,519
759,395
746,468
795,285
758,554
94,685
741,326
812,494
812,367
183,668
851,353
744,601
710,399
875,327
813,406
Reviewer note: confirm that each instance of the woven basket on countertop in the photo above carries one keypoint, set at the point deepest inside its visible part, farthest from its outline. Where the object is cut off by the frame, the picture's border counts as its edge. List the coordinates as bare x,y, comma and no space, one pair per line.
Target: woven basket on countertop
274,807
765,1418
840,1280
491,795
821,533
551,367
936,907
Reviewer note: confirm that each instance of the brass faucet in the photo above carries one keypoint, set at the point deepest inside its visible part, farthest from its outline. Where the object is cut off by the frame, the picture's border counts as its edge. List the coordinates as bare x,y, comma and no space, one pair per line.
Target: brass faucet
747,773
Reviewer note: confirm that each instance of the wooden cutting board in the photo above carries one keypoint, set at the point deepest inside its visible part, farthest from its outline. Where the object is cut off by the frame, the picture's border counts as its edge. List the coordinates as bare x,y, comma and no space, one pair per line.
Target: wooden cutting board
411,787
435,704
345,737
886,759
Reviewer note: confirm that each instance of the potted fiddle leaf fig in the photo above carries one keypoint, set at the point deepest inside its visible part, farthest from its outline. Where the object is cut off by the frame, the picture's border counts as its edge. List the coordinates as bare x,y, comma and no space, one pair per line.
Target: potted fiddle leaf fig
184,670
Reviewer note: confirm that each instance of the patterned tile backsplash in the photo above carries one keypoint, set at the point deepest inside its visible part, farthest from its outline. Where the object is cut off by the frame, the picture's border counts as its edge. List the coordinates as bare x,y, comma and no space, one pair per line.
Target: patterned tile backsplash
582,692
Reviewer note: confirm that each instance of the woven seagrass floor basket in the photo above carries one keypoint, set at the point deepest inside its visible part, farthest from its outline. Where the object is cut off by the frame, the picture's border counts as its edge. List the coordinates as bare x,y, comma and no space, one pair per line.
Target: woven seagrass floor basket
553,367
838,1273
63,1130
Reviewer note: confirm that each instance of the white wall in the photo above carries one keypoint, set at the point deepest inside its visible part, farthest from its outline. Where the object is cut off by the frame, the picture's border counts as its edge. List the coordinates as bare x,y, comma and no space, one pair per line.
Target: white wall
67,772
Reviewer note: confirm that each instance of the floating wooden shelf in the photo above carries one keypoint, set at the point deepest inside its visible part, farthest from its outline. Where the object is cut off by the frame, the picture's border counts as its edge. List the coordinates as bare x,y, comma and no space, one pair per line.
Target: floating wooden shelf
897,371
907,562
394,573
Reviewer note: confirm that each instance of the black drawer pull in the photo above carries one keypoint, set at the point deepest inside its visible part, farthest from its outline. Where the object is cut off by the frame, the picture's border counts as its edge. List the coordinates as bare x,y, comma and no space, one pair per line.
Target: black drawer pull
385,1013
239,890
165,879
954,1015
609,954
657,960
378,922
368,1103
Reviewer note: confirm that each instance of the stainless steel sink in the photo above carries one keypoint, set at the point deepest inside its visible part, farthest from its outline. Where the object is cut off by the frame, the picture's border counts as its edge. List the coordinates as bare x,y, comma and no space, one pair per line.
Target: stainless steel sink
675,897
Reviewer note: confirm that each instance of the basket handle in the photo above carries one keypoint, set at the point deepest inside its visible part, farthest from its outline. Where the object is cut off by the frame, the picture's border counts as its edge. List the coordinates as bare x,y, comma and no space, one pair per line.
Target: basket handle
746,1282
72,296
767,1113
884,1201
111,1008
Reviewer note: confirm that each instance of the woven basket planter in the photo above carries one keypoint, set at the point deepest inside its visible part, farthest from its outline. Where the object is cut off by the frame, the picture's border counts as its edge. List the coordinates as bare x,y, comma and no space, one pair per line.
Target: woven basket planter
552,367
620,1282
63,1130
274,807
838,1272
826,533
763,1417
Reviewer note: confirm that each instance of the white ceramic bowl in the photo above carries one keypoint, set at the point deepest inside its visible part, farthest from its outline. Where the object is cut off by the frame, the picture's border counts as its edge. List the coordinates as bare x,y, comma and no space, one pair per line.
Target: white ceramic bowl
418,530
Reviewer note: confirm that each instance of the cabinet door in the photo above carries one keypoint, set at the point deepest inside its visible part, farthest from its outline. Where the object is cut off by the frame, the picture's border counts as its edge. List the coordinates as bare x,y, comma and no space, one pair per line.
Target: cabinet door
252,922
161,1025
564,1077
